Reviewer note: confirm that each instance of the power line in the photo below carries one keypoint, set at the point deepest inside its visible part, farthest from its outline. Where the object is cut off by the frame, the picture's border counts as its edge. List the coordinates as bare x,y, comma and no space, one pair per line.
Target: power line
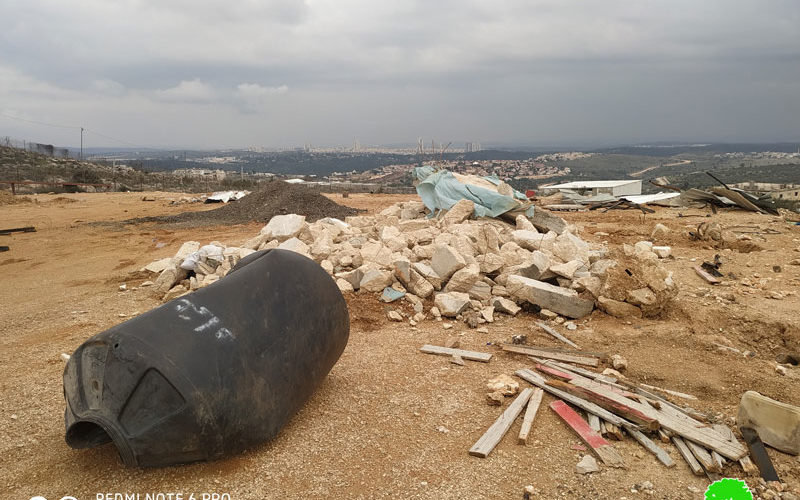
38,122
74,127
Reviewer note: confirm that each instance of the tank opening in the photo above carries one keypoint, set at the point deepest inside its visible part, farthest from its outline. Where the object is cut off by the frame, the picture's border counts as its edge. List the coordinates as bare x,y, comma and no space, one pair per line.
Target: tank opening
86,435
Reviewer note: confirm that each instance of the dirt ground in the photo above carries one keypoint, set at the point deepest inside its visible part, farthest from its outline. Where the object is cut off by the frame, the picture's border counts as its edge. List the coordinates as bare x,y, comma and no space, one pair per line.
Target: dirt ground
389,421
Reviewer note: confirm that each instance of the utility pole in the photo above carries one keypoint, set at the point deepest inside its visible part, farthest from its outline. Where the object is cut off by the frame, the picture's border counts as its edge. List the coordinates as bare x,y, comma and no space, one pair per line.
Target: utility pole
81,144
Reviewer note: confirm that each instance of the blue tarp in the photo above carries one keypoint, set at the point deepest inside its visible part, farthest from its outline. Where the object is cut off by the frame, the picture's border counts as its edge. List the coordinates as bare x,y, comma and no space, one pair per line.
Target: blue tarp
440,190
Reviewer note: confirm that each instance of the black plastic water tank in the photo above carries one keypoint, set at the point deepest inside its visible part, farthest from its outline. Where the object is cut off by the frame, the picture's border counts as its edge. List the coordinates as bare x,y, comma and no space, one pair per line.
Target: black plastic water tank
212,372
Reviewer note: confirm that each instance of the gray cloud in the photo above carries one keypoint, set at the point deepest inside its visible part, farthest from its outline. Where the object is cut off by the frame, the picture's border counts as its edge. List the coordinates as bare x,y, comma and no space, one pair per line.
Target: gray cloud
283,72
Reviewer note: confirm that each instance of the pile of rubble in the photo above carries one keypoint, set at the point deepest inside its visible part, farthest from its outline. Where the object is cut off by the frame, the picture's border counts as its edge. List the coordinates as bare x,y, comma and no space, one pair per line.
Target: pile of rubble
469,268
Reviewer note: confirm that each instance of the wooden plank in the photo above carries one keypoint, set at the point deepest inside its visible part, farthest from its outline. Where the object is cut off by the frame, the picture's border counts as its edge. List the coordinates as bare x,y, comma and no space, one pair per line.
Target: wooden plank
703,456
687,455
500,427
684,427
25,229
614,432
580,371
625,410
664,435
670,392
530,414
703,274
594,422
593,440
652,447
557,335
574,352
747,465
532,351
718,459
759,454
483,357
540,382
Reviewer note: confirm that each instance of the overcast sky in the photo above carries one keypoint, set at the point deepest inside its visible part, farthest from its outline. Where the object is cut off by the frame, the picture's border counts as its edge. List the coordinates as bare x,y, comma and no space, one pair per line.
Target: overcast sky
277,73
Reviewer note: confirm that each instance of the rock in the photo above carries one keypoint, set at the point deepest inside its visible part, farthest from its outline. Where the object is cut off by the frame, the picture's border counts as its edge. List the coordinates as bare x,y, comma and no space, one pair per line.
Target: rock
284,227
519,339
644,250
548,314
435,312
600,268
642,297
463,279
662,252
569,247
560,300
418,285
255,242
507,306
375,280
524,224
391,294
459,212
571,326
781,370
613,373
146,283
504,384
447,326
377,252
529,239
499,291
587,465
295,245
618,309
344,285
451,304
618,362
446,261
487,240
158,266
168,278
480,291
488,314
394,316
591,284
187,248
777,423
471,318
659,232
175,292
794,262
567,269
495,398
490,262
326,265
536,267
354,277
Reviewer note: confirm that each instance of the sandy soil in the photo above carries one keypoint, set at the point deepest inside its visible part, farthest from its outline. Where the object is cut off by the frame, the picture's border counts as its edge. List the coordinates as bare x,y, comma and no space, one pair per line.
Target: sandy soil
388,421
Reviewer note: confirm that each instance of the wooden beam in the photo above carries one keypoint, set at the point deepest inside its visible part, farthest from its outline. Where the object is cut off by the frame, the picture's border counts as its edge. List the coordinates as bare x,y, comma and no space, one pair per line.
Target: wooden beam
687,455
652,447
703,456
593,440
684,427
557,335
594,422
671,393
540,382
533,351
611,404
703,274
580,371
530,414
500,427
483,357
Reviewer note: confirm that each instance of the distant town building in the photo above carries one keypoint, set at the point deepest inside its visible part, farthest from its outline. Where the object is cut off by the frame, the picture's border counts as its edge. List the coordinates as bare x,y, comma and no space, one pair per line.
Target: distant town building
592,188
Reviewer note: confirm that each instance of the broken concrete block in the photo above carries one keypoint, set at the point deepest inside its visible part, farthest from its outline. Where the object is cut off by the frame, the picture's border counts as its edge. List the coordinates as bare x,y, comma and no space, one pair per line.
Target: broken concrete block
644,250
446,261
480,291
451,304
619,362
255,242
618,309
641,297
662,252
463,279
344,285
490,262
375,280
175,292
507,306
377,252
600,268
567,270
186,249
295,245
429,274
459,212
561,300
499,291
158,266
527,238
506,385
524,224
569,247
487,240
487,313
418,285
591,284
168,278
777,423
536,267
284,227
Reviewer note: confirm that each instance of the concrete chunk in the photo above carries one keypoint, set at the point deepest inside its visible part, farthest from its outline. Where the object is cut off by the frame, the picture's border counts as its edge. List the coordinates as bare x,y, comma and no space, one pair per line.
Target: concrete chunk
284,227
567,270
463,279
618,309
429,274
375,280
459,212
451,304
561,300
446,261
507,306
777,423
295,245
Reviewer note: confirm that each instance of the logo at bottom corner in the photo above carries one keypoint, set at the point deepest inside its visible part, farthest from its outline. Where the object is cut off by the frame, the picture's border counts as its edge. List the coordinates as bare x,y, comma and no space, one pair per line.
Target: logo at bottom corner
728,489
